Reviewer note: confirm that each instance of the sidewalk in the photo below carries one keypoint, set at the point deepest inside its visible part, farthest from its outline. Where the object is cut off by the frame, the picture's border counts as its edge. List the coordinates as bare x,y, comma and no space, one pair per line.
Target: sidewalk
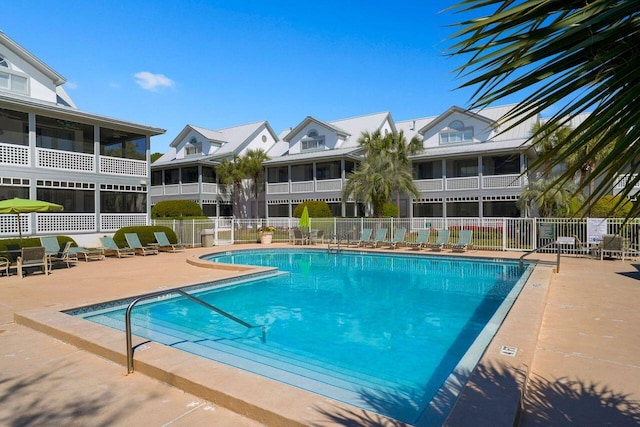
586,367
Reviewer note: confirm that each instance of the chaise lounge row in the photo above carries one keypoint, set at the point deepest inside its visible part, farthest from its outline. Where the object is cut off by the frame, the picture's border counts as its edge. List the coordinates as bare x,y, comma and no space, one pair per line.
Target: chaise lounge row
422,241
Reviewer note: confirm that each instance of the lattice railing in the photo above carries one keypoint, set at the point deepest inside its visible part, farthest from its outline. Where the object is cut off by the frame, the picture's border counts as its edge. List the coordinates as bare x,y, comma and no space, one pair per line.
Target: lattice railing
329,185
113,222
9,225
278,188
65,223
120,166
64,160
12,154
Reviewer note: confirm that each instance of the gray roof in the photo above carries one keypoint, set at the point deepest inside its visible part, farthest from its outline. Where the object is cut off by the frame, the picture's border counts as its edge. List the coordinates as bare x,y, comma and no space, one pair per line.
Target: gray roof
33,60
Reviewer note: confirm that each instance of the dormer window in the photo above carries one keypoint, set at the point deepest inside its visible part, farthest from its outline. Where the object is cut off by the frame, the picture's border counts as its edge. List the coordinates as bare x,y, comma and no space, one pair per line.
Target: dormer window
456,133
312,141
193,147
12,80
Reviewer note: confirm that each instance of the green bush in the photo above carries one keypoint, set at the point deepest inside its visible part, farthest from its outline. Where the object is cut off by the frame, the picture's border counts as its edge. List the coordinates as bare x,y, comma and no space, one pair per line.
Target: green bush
176,209
389,210
316,208
606,207
145,233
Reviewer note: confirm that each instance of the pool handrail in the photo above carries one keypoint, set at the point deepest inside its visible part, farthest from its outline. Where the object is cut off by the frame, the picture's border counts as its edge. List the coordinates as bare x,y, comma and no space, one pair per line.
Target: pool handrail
543,247
127,319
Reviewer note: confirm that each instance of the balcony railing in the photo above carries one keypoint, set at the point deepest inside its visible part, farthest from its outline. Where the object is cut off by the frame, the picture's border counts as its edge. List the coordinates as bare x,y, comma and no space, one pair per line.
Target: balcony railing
504,181
320,185
466,183
429,184
329,184
15,155
120,166
278,188
65,160
302,187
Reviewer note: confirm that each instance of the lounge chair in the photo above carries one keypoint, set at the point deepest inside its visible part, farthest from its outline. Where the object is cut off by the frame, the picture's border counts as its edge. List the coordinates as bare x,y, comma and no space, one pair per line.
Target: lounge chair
365,236
464,241
316,237
64,255
422,240
398,239
379,238
111,248
441,241
88,254
50,244
165,245
34,256
134,242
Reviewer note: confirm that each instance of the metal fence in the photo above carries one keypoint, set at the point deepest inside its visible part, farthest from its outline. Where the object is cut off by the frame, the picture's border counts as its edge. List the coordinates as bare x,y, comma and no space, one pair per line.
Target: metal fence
500,234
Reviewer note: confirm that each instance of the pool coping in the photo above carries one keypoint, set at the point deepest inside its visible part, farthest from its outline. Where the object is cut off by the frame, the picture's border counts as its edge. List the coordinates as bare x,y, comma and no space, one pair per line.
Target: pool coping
244,392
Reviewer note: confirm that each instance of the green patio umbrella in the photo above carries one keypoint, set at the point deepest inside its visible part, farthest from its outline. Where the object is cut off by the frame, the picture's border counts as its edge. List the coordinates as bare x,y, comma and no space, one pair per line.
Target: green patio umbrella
304,221
18,206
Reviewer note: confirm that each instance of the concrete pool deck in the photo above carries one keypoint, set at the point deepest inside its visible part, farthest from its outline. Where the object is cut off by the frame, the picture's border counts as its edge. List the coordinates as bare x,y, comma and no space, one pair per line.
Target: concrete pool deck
583,367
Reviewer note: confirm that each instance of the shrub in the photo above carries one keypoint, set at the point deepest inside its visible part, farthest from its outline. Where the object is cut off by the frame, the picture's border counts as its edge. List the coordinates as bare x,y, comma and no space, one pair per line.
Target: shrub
145,233
389,210
316,208
176,209
605,207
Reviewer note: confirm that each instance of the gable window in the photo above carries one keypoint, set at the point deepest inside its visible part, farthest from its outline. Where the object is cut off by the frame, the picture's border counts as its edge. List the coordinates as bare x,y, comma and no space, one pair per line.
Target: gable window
193,147
456,133
12,80
312,141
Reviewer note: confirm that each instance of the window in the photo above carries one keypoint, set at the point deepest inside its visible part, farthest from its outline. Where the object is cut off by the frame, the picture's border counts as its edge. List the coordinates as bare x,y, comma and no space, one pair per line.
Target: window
328,170
278,174
122,144
455,133
193,147
189,174
14,127
427,170
501,165
302,173
171,176
156,177
312,141
208,174
64,135
74,201
12,80
122,202
463,168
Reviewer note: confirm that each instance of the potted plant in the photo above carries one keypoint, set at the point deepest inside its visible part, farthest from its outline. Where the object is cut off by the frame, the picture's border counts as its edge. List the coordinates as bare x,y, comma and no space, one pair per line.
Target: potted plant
266,234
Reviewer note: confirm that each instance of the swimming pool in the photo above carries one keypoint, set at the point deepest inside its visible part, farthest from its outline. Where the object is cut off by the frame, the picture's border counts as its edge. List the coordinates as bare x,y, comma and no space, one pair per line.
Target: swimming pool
381,332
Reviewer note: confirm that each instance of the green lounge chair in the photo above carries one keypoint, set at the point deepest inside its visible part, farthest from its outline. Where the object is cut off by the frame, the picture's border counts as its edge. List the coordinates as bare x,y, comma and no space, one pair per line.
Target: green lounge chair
365,236
165,245
422,240
50,244
134,242
88,254
398,239
464,241
442,240
65,255
110,247
381,235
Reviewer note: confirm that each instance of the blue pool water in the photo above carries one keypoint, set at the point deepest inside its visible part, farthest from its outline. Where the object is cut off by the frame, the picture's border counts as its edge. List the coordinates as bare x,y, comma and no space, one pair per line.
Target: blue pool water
381,332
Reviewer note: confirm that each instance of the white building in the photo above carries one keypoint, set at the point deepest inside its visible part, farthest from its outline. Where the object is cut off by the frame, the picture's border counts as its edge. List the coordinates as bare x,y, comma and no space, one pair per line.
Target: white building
95,166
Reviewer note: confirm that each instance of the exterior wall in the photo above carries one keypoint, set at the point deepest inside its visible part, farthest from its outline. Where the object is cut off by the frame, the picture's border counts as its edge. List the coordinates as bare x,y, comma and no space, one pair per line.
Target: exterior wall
331,140
481,130
40,87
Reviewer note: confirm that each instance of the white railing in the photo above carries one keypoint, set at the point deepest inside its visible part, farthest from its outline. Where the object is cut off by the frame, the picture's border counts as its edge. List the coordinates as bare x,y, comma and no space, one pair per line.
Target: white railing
466,183
503,181
278,188
429,184
302,187
65,223
329,184
156,190
209,188
171,189
190,188
9,225
64,160
15,155
113,222
622,181
120,166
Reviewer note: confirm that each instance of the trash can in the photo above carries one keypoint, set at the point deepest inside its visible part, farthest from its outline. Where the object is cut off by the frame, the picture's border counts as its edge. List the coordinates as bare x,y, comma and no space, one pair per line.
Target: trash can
206,237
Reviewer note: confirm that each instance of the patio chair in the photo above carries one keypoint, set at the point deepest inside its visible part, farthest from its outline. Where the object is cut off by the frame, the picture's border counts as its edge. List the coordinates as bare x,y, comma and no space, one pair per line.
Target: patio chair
365,236
134,242
165,245
88,254
612,245
298,237
582,248
64,255
111,248
34,256
378,239
464,241
441,241
398,239
422,240
5,263
316,237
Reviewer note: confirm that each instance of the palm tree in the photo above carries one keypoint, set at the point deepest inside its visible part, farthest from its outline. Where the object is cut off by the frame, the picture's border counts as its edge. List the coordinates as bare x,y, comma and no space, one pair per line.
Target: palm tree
573,57
371,182
253,168
231,173
549,198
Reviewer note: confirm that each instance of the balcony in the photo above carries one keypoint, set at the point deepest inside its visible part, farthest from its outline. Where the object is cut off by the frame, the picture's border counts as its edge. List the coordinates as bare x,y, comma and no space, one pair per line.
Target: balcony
188,188
15,155
315,186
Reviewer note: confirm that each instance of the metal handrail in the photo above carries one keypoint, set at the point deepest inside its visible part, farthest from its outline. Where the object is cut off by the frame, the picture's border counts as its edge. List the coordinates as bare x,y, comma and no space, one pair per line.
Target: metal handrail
127,319
339,240
544,247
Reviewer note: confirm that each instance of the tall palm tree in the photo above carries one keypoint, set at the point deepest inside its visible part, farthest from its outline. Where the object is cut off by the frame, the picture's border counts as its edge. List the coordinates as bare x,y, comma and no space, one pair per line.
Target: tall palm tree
231,173
371,182
253,168
549,198
573,56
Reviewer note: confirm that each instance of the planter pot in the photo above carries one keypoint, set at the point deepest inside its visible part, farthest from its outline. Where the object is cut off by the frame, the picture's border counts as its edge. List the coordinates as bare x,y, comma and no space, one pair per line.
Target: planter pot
266,238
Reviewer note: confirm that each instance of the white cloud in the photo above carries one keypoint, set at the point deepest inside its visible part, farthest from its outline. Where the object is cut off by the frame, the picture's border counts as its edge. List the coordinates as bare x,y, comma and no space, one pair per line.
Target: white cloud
152,82
71,85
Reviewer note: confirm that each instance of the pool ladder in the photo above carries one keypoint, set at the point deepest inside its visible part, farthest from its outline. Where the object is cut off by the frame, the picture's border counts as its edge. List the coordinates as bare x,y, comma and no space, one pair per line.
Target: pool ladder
127,319
335,249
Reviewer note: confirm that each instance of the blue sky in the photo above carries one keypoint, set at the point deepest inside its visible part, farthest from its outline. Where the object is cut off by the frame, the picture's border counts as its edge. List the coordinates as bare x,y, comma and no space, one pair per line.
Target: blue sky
218,64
